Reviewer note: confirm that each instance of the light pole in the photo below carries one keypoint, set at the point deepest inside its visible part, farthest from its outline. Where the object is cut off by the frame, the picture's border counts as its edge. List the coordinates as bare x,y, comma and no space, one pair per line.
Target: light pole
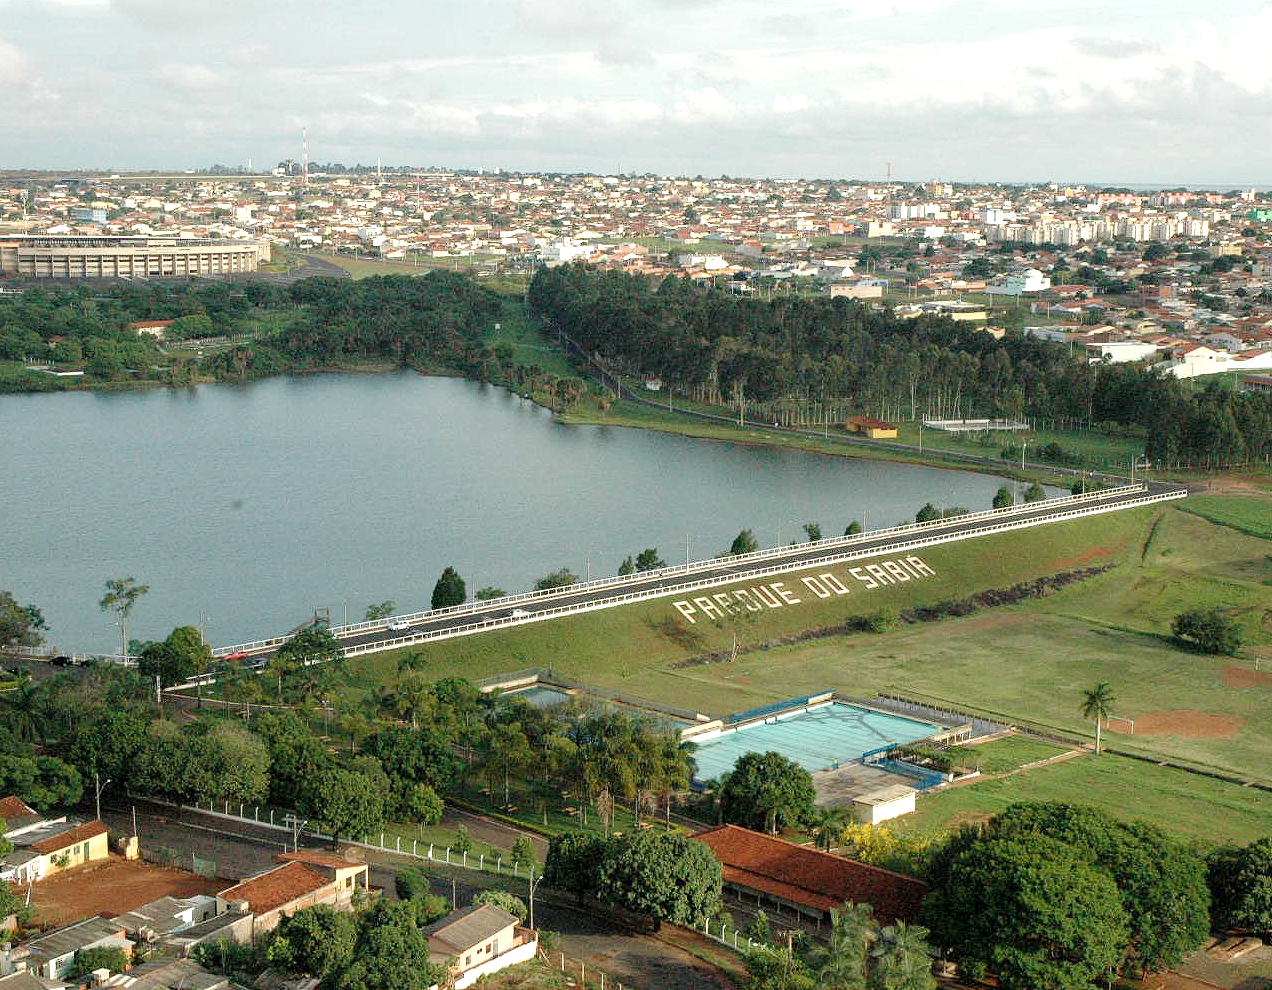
344,605
533,884
99,785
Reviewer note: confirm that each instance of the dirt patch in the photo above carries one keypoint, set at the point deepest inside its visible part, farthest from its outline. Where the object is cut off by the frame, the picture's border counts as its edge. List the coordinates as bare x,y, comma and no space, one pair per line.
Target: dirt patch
112,887
1185,723
1095,553
968,818
1244,677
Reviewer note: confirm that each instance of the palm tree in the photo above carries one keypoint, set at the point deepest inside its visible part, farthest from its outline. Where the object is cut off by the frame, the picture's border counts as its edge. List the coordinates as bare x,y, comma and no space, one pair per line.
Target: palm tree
28,712
828,824
842,965
1095,705
902,958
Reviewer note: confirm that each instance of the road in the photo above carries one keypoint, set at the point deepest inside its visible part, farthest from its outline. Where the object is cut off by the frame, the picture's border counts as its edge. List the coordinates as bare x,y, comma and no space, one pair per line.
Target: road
243,850
691,581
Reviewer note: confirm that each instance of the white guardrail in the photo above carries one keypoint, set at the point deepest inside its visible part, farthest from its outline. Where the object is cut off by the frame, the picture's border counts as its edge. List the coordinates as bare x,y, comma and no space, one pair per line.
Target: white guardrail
785,568
377,625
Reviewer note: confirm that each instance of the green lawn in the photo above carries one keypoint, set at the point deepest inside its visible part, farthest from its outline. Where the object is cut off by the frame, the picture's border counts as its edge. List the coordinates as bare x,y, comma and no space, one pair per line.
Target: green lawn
1098,451
1004,755
1196,809
1250,514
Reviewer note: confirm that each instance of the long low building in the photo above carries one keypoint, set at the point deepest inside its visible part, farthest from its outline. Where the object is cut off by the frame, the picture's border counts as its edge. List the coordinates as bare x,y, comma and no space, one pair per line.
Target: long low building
65,256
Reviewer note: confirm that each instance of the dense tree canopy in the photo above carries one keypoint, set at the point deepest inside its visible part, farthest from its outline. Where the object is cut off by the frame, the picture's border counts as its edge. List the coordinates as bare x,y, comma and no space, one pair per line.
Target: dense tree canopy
20,625
1241,885
664,875
766,792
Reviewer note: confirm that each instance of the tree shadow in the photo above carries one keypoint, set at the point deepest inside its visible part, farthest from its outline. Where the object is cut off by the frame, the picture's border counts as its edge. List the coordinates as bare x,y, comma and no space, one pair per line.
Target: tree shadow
677,632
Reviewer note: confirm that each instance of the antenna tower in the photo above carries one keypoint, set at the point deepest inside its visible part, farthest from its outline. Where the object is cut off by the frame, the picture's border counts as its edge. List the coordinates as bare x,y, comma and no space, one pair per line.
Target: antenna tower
304,157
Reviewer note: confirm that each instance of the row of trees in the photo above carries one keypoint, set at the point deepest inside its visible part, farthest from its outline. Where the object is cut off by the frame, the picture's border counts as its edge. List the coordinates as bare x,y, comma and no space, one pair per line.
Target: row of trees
723,348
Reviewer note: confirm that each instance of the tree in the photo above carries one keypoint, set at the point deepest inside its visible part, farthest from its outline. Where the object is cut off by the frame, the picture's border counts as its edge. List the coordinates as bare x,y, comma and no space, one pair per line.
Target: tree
744,542
1003,498
828,825
574,862
928,513
853,528
315,941
11,903
346,802
231,764
310,646
1095,704
1209,630
41,781
102,957
413,756
505,901
1240,883
523,852
1035,493
463,842
813,531
766,791
1034,912
422,804
841,964
664,875
1162,884
381,611
121,595
489,593
628,566
449,590
901,959
391,953
182,655
27,712
648,560
557,579
20,625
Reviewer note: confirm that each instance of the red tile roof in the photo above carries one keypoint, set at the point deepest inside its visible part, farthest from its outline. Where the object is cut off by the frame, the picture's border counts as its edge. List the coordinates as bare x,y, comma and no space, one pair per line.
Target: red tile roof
13,808
315,857
278,887
808,876
80,833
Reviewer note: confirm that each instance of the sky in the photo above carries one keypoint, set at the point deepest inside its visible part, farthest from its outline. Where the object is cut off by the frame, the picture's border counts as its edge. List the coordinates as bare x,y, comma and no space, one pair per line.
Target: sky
1134,91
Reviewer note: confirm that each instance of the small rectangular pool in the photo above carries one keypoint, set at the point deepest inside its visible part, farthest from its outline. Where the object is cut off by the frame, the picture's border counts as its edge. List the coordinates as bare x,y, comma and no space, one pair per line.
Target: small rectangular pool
817,738
540,697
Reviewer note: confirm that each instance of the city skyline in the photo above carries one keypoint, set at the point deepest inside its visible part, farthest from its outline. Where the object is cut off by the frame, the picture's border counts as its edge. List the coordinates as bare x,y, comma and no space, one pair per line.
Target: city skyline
981,90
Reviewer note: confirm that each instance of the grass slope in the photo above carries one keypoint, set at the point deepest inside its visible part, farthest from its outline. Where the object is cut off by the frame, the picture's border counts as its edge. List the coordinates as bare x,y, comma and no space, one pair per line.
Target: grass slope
1026,663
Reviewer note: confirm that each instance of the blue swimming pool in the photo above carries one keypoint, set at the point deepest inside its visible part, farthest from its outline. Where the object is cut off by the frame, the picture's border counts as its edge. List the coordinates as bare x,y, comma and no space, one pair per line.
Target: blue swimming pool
816,738
540,697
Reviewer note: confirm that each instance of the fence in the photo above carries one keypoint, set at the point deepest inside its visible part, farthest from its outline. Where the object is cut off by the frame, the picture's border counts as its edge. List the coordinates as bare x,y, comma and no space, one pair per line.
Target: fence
416,849
571,966
175,858
469,608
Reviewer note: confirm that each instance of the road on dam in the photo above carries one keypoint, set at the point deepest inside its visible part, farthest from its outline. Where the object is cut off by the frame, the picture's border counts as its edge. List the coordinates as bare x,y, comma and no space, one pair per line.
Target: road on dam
688,582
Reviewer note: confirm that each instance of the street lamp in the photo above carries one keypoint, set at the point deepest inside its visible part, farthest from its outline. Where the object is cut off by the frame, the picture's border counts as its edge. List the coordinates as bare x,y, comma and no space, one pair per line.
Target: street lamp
99,786
344,603
534,883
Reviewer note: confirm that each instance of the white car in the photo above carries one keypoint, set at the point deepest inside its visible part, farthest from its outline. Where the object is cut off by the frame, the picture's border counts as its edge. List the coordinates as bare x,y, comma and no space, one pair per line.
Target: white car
399,625
520,613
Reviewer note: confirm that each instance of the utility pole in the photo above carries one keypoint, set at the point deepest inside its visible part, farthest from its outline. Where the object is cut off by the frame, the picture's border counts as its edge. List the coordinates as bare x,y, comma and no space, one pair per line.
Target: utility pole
99,786
533,884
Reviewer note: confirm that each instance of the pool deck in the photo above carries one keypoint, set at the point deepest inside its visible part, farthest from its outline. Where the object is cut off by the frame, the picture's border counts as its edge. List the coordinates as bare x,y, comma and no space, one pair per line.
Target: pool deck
837,788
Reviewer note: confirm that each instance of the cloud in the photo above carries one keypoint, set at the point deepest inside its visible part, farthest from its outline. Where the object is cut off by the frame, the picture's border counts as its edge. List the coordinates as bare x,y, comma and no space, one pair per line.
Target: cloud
192,77
1114,47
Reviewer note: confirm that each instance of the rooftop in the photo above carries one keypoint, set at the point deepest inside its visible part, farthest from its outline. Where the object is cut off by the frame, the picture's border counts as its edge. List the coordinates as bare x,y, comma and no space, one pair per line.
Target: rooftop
470,926
60,837
279,886
808,876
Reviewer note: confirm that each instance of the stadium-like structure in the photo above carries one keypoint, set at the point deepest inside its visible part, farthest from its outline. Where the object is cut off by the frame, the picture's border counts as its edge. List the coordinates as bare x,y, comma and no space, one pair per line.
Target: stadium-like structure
47,256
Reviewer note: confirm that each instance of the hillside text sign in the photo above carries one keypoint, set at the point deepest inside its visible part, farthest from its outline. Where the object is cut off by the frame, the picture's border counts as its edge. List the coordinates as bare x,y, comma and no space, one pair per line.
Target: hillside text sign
814,587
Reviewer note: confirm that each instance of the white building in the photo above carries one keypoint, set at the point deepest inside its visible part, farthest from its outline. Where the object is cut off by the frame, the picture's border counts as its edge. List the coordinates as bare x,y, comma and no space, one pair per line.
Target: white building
1030,280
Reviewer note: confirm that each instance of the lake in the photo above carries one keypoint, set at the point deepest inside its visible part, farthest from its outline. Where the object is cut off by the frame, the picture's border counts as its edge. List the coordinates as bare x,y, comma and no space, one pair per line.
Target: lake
257,503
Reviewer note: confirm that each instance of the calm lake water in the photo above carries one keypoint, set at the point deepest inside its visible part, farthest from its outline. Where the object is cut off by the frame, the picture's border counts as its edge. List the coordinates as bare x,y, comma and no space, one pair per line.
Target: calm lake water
257,503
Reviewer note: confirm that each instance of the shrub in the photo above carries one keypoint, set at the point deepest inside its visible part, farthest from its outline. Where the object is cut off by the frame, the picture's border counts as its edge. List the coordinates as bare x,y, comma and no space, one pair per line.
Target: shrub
1208,630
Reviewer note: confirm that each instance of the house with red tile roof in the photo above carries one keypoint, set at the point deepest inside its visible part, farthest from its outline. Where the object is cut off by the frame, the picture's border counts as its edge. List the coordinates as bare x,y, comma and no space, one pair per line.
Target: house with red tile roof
305,880
799,878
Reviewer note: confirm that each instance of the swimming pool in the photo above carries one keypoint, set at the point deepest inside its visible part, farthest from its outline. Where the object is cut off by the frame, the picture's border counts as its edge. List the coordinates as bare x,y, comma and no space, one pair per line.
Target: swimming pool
539,696
817,738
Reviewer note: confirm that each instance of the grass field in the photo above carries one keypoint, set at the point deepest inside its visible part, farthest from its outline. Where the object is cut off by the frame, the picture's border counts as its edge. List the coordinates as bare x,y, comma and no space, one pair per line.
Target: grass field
1026,664
1196,809
1250,514
1098,451
1004,755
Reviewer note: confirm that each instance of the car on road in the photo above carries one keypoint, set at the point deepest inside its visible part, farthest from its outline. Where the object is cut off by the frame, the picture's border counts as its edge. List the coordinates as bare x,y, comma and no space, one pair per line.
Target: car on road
519,613
399,625
235,657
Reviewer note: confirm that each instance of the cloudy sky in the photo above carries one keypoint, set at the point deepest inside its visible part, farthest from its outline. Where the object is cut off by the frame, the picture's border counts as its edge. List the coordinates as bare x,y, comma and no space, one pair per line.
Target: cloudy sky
1150,91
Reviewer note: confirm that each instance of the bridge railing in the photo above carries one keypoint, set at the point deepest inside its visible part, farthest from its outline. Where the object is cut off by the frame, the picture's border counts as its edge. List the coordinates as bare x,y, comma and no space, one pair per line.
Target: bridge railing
784,568
674,570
